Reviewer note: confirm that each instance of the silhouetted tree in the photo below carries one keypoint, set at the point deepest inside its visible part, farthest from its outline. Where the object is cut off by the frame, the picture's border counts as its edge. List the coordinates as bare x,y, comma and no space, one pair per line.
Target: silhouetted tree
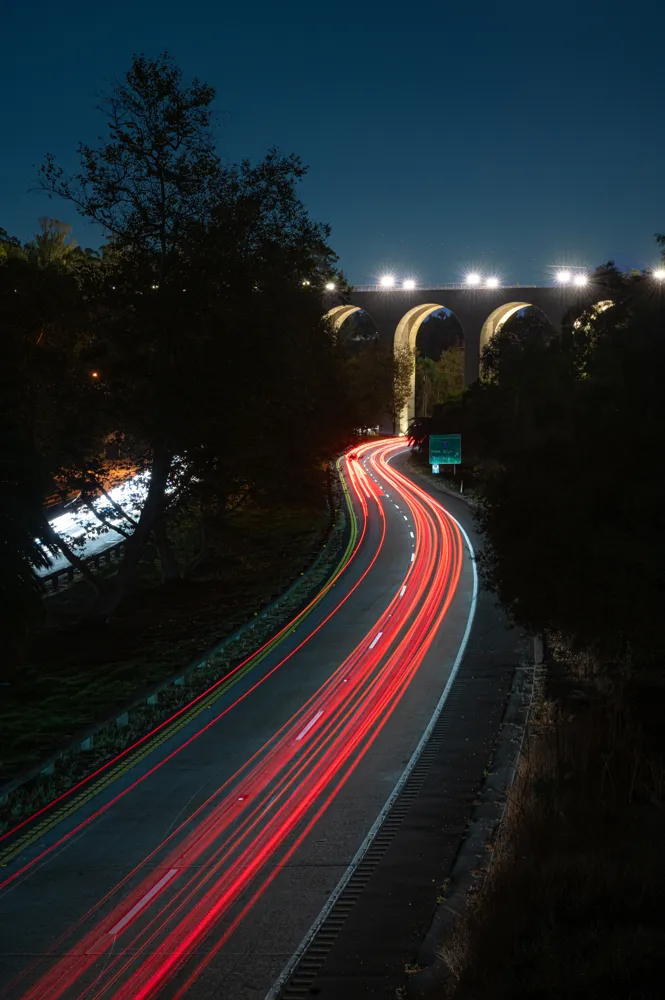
573,511
206,331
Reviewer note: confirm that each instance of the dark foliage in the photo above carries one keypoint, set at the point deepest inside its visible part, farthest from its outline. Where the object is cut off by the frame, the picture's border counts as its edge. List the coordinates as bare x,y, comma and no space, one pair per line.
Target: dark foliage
573,491
196,335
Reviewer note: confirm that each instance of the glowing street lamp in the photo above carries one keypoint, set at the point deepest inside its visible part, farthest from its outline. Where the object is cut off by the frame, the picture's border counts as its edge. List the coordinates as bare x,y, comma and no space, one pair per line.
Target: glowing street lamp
563,277
580,280
330,286
492,283
387,280
473,279
408,285
659,274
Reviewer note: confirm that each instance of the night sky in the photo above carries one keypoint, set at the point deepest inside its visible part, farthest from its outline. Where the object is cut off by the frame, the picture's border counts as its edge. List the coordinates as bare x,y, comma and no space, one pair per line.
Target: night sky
507,137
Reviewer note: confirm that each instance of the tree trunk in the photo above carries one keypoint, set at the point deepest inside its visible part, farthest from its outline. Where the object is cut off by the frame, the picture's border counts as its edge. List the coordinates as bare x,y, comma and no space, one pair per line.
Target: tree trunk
150,513
196,561
170,565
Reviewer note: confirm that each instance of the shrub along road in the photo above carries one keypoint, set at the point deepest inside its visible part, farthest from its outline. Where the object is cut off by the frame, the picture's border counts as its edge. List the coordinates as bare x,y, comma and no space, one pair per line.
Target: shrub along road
73,677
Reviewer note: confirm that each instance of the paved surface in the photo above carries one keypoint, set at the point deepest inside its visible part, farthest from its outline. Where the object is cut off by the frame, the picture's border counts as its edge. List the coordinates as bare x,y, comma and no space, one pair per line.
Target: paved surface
371,949
200,868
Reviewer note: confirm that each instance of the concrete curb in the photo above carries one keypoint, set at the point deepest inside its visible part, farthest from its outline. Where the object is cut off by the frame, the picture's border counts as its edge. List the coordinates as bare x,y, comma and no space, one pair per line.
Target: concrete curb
474,856
263,624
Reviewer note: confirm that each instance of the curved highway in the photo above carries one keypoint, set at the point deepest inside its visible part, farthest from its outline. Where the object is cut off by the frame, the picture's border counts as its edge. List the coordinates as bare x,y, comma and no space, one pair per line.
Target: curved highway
197,865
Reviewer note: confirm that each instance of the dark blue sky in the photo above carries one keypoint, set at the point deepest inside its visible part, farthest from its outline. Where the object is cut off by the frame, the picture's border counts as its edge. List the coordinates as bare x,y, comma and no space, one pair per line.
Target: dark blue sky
503,136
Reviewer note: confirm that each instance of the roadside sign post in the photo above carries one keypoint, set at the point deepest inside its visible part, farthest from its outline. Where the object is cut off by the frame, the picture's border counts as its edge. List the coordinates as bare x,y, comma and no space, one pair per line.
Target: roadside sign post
435,469
445,449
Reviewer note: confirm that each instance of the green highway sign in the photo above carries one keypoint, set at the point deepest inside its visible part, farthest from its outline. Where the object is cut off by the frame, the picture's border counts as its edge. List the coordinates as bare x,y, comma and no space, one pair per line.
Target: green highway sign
445,449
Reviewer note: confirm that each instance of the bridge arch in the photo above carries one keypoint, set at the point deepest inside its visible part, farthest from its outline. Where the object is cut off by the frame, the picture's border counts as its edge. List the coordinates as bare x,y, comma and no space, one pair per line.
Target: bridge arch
406,333
497,318
338,314
353,324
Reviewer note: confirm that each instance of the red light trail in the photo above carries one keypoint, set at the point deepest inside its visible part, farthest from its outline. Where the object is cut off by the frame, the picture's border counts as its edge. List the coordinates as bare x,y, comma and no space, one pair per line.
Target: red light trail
157,930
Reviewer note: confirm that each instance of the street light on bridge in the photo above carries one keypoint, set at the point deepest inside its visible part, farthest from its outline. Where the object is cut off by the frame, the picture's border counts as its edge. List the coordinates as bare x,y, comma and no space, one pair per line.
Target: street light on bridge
659,274
387,281
473,279
571,276
492,283
408,285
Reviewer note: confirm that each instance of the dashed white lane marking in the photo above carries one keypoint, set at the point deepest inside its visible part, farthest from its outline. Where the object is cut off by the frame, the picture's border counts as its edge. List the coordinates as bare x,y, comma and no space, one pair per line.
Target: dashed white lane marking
402,591
143,902
413,556
375,640
405,517
412,534
309,725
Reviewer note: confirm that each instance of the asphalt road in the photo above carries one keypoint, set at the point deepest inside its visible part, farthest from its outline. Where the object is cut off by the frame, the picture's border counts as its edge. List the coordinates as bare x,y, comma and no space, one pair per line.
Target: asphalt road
198,870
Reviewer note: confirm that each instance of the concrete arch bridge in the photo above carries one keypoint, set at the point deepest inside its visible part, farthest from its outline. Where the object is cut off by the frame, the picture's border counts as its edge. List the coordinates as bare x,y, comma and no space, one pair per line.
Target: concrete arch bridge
399,314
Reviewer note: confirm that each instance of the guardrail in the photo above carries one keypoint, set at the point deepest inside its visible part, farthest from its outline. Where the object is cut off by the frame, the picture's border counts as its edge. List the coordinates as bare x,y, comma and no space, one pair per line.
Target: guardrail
65,577
253,633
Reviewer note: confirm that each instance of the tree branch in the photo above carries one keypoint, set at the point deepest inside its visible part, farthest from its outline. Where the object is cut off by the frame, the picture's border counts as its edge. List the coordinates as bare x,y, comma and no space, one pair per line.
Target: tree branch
53,538
116,506
102,520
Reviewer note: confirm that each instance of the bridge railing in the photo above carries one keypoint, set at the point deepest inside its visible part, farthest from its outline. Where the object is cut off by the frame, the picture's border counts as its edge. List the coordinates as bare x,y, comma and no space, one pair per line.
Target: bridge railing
65,577
448,286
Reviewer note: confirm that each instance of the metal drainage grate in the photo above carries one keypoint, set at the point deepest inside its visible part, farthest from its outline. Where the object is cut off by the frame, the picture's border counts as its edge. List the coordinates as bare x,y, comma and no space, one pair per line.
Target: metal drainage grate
304,974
